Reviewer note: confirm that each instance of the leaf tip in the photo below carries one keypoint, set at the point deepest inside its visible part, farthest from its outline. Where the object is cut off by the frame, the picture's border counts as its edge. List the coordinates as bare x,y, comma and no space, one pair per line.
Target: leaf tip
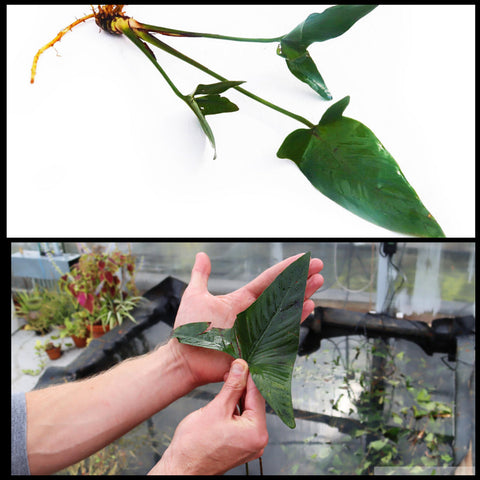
335,112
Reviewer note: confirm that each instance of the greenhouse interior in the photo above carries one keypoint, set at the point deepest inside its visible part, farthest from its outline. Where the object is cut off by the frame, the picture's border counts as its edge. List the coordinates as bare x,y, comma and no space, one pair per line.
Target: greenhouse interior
384,377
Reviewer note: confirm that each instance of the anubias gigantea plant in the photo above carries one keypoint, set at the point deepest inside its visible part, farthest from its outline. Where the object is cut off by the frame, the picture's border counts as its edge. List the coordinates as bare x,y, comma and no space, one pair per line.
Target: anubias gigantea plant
340,156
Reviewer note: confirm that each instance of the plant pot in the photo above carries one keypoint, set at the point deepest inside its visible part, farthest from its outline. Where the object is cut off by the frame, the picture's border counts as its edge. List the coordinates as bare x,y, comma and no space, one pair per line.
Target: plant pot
54,353
80,342
97,330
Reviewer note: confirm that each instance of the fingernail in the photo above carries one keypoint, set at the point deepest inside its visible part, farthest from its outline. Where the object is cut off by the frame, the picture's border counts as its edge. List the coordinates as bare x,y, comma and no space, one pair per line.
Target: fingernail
237,368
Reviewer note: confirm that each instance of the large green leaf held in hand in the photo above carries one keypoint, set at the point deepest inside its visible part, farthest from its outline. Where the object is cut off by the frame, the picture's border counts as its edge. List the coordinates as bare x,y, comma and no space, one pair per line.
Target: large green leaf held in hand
318,27
343,159
265,335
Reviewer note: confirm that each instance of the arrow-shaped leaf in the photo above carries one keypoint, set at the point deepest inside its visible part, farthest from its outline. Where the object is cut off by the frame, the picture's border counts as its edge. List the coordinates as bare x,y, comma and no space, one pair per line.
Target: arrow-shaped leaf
210,103
265,335
318,27
213,104
343,159
209,100
300,63
215,88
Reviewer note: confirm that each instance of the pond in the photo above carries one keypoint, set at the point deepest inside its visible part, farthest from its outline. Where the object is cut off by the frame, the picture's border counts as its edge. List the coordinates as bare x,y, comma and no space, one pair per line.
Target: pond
361,404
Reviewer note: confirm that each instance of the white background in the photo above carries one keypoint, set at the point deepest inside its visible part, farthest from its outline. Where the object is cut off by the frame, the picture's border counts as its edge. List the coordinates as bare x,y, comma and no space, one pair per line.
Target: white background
100,145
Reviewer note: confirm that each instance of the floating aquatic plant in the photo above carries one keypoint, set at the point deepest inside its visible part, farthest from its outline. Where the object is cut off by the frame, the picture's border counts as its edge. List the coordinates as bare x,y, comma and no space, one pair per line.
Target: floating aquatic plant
340,156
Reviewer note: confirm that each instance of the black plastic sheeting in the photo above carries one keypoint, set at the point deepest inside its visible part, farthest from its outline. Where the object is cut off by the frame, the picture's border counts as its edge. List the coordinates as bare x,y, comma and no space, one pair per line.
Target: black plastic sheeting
441,336
102,353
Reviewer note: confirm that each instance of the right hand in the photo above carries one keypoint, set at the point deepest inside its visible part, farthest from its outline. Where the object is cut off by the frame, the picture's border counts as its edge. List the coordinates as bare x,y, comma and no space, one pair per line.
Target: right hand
215,438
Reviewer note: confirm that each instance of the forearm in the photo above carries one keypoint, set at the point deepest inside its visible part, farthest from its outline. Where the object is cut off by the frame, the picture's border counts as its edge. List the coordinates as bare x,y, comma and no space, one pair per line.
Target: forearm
66,423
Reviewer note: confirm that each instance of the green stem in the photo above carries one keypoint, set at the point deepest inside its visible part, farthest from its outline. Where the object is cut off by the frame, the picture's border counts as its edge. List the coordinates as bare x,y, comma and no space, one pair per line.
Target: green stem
167,48
182,33
240,406
129,33
123,26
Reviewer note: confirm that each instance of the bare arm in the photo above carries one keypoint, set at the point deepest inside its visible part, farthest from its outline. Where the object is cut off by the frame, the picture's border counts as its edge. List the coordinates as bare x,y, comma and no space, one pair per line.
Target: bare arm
69,422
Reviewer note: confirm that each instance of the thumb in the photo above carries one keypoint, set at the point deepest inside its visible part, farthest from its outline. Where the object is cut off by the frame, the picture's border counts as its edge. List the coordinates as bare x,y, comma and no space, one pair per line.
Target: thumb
229,396
200,272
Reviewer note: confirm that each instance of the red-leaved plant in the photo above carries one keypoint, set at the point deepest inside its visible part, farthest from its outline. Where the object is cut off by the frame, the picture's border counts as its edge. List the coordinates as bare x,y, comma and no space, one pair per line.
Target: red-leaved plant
103,284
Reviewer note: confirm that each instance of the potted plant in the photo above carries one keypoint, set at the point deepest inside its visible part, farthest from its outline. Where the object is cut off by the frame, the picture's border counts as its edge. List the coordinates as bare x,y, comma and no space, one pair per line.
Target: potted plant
30,307
53,351
76,329
114,311
103,285
58,305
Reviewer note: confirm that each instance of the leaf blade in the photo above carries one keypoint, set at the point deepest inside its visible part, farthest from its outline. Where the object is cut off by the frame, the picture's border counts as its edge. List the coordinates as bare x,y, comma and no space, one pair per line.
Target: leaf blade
273,320
331,23
266,335
213,104
215,88
303,67
318,27
198,335
346,162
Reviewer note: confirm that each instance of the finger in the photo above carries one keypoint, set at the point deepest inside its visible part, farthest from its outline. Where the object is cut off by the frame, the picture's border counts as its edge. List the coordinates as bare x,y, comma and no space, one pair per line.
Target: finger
254,403
246,295
316,265
313,284
200,272
229,396
308,307
254,412
258,285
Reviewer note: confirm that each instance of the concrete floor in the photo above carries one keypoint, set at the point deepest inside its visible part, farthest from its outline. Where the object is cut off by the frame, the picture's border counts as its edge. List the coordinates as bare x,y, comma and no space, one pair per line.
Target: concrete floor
24,356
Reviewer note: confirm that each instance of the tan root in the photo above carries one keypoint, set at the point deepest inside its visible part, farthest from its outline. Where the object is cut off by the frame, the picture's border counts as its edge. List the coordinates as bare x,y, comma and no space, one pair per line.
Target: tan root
104,17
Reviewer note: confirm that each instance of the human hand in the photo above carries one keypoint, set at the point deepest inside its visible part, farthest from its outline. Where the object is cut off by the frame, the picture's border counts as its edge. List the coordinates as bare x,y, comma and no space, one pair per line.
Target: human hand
198,305
216,438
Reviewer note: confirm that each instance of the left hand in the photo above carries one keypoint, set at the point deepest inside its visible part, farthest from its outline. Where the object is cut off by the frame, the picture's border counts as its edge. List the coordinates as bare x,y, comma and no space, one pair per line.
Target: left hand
198,305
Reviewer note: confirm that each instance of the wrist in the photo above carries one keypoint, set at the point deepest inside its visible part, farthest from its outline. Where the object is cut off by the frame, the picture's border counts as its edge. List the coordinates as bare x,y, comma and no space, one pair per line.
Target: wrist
173,351
165,466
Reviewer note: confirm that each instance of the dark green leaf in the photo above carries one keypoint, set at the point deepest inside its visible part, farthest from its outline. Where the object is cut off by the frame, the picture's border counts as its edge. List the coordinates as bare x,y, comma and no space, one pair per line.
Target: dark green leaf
335,112
268,334
331,23
209,105
265,335
196,334
191,102
303,67
346,162
212,104
218,87
318,27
